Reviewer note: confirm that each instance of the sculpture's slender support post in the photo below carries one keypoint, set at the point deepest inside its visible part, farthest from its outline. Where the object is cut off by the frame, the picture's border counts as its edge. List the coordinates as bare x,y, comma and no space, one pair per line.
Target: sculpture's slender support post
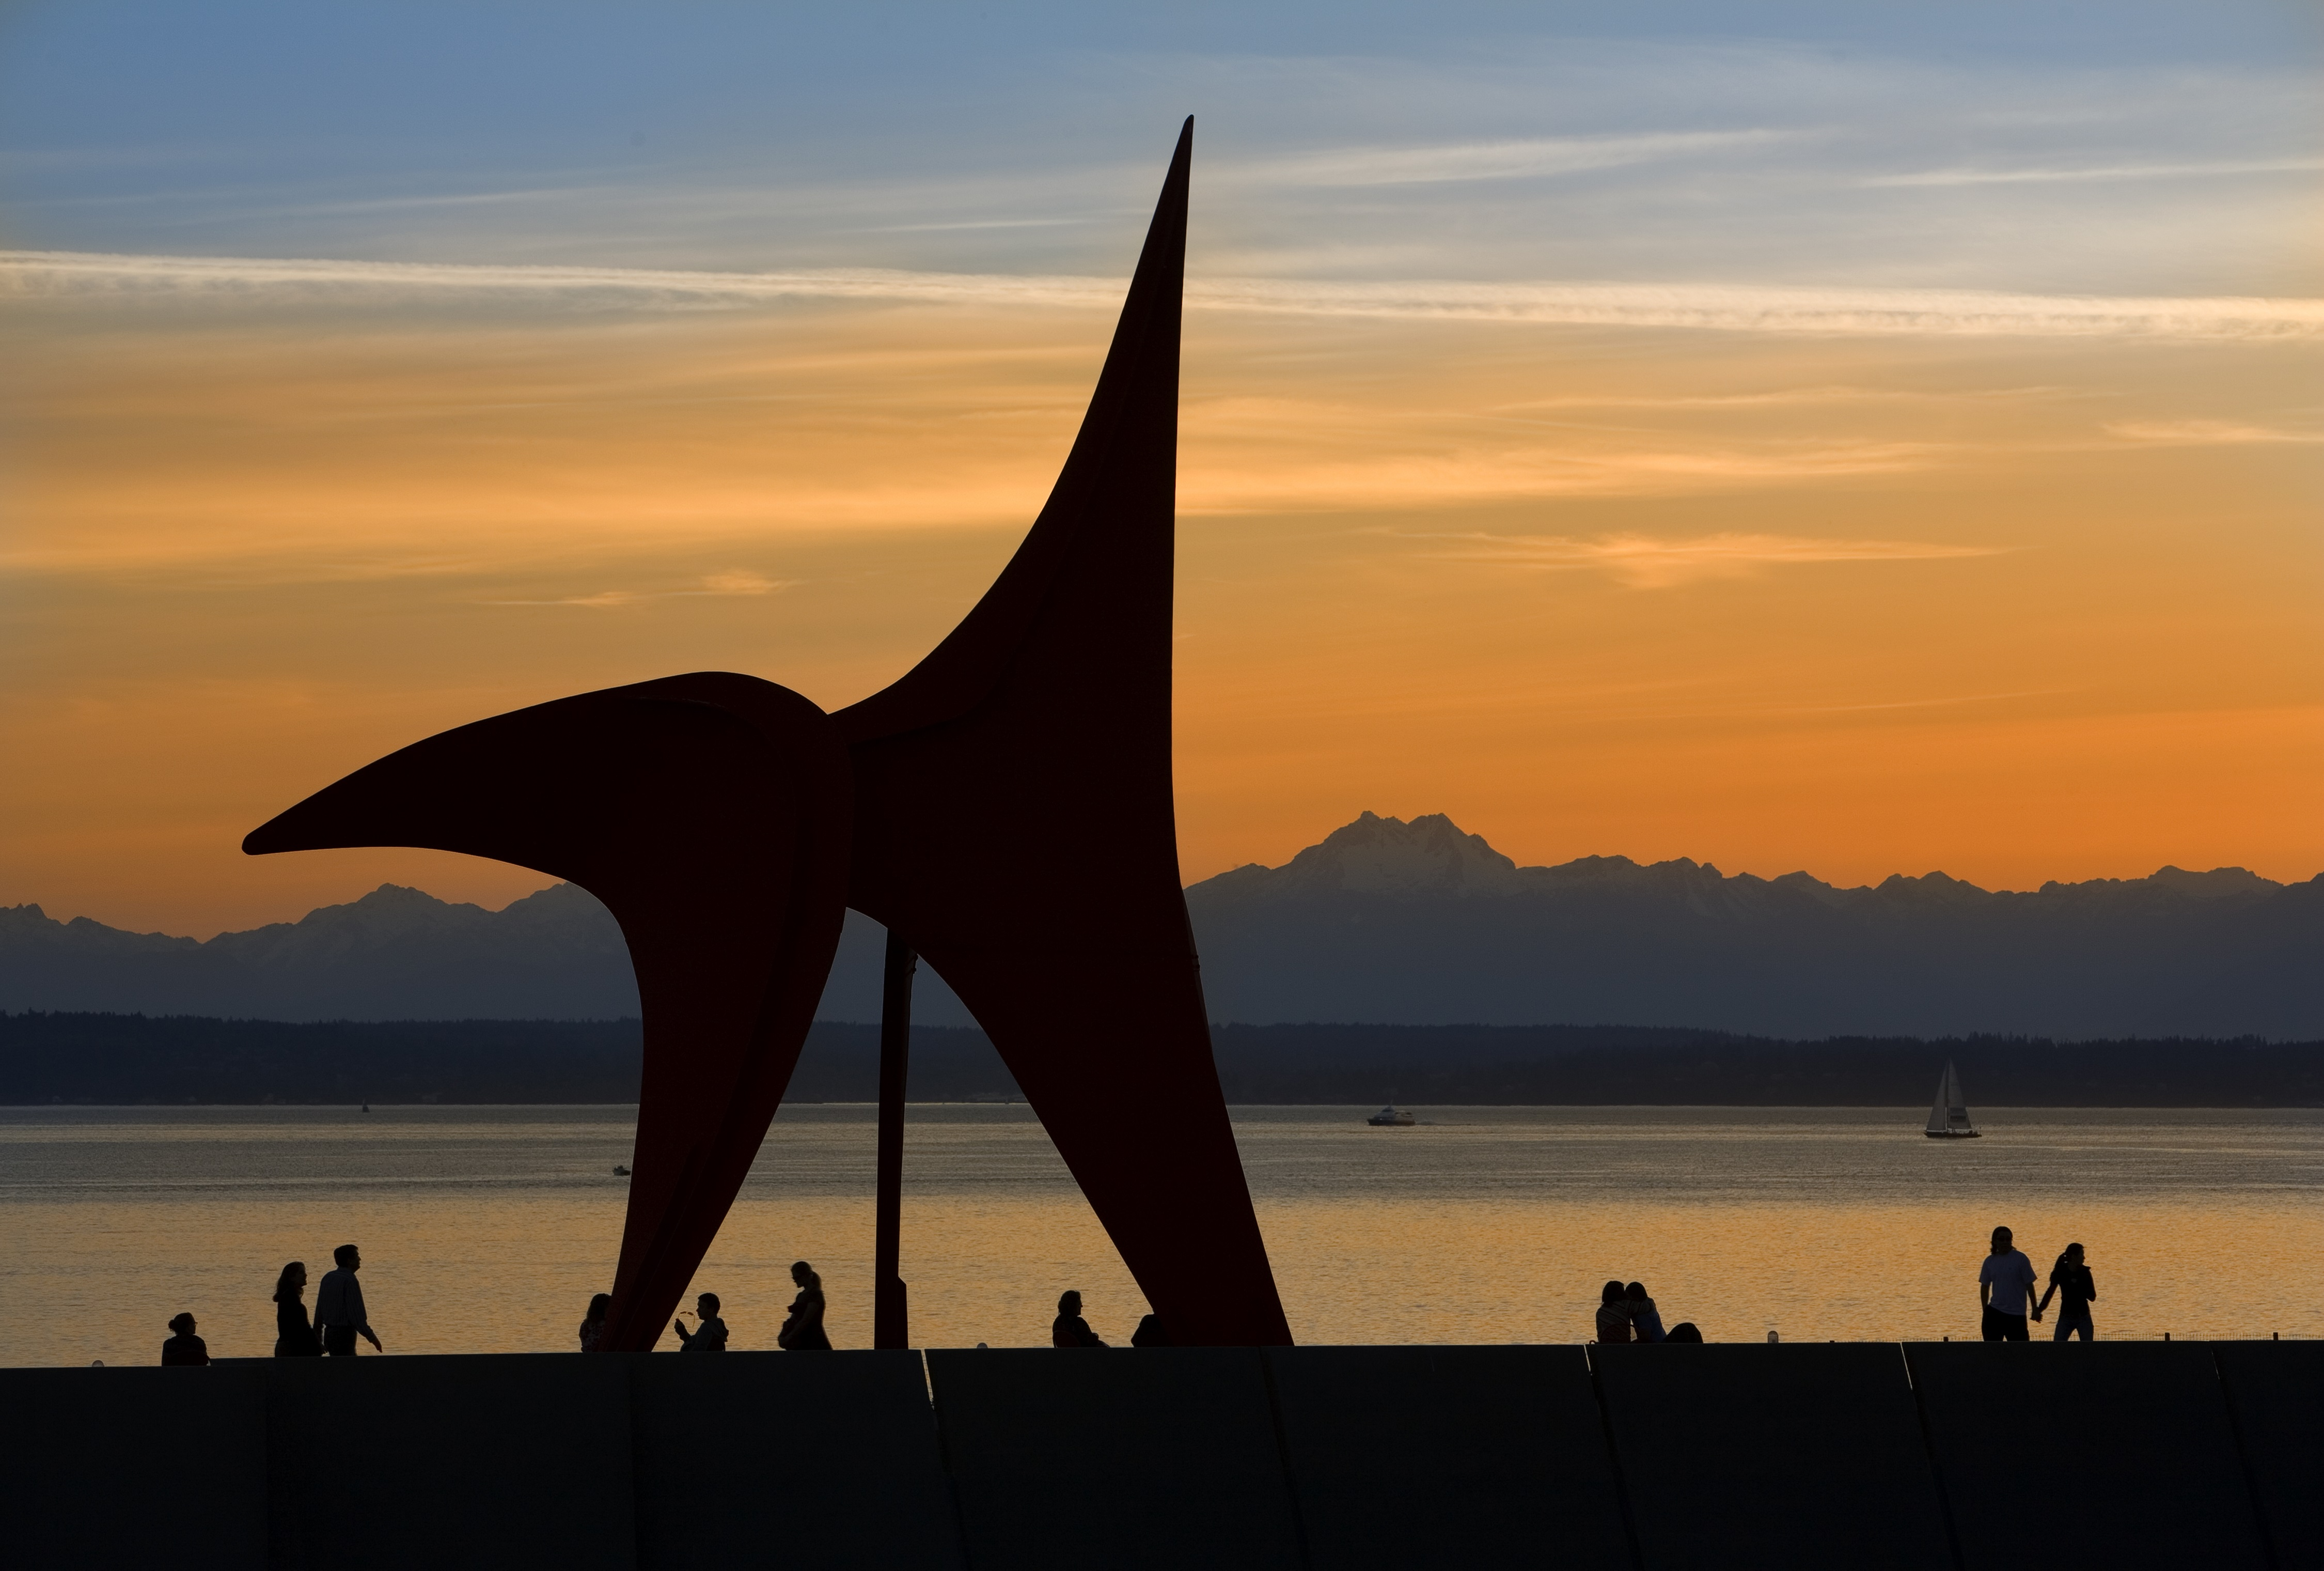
892,1325
1013,814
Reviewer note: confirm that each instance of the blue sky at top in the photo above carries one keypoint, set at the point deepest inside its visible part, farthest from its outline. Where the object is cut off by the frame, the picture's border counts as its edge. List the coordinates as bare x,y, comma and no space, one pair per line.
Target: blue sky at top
2124,148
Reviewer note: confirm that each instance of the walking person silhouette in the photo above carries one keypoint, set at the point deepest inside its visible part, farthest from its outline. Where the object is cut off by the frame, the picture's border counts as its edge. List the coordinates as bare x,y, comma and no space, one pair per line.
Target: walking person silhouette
803,1327
339,1306
2005,1289
2069,1280
293,1337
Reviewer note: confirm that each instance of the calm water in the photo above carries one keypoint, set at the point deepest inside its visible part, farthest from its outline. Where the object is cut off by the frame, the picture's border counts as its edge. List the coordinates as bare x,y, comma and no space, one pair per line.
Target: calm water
488,1229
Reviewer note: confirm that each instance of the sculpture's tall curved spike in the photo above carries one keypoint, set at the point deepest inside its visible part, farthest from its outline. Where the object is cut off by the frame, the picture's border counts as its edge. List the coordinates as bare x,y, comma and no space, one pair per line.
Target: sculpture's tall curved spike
1014,822
711,814
1117,495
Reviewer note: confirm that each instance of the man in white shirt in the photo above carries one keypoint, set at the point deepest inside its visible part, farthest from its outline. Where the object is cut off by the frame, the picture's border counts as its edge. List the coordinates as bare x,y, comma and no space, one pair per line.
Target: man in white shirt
2005,1289
339,1306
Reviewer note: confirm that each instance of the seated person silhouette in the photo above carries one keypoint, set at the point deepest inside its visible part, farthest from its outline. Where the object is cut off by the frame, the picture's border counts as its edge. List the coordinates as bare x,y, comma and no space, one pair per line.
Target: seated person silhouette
710,1335
1069,1329
1613,1322
1684,1331
1643,1313
185,1347
592,1323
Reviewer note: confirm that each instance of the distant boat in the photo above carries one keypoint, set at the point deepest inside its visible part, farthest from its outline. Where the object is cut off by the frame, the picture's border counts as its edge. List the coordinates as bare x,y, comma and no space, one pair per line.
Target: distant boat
1948,1116
620,1171
1391,1117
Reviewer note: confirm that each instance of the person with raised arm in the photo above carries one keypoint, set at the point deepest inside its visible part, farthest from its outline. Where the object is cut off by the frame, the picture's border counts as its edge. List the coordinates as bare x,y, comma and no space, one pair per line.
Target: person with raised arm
709,1333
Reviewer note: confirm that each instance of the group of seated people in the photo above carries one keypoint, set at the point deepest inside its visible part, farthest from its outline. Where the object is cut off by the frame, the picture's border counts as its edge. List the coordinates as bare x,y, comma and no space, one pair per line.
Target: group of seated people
1626,1314
1070,1330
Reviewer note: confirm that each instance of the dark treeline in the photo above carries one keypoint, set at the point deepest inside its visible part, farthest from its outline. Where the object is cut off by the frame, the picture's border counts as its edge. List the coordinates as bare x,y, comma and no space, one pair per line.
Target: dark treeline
128,1060
1573,1066
133,1058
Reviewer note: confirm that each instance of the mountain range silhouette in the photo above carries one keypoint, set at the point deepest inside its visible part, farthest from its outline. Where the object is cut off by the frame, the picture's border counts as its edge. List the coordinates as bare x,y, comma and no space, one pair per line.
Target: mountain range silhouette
1420,923
1384,921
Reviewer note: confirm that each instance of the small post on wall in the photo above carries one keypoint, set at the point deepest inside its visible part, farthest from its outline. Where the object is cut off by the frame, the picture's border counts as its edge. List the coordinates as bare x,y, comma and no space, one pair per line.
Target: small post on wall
890,1316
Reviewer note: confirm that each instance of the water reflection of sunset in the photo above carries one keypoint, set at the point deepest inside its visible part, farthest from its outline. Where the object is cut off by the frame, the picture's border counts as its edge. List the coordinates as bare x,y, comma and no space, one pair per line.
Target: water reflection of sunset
488,1229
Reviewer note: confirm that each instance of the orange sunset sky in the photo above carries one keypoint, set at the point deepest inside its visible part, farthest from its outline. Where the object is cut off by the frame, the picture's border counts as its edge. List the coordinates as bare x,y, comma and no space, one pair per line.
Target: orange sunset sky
1810,449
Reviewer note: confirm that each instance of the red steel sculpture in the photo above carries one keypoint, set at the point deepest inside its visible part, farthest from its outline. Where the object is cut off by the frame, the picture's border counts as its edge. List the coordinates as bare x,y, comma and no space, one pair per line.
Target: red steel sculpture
1004,809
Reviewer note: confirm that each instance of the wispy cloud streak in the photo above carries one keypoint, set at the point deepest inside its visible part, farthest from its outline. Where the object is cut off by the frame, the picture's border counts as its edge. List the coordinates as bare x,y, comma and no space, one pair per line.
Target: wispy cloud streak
1644,562
1483,160
736,581
1759,308
1729,308
2207,432
2117,171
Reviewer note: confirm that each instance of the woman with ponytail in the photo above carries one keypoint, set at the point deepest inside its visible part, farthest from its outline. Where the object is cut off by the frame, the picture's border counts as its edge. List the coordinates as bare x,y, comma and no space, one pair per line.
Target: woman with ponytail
294,1337
2069,1278
803,1326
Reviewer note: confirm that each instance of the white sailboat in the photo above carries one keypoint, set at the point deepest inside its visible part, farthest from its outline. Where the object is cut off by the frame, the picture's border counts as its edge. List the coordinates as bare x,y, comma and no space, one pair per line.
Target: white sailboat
1948,1117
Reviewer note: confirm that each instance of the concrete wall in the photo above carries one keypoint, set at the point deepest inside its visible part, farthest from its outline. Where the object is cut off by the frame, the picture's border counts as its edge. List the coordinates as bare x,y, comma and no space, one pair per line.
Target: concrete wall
1145,1458
1474,1457
2129,1457
1814,1447
2275,1400
1952,1456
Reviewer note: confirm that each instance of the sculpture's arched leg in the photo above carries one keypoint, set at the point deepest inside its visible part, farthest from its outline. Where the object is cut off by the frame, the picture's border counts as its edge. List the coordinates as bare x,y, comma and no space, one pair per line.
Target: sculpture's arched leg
1014,824
711,814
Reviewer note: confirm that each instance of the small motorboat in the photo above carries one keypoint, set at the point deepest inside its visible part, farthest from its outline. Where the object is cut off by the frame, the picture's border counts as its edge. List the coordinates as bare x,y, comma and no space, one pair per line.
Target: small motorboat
620,1171
1948,1115
1391,1117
